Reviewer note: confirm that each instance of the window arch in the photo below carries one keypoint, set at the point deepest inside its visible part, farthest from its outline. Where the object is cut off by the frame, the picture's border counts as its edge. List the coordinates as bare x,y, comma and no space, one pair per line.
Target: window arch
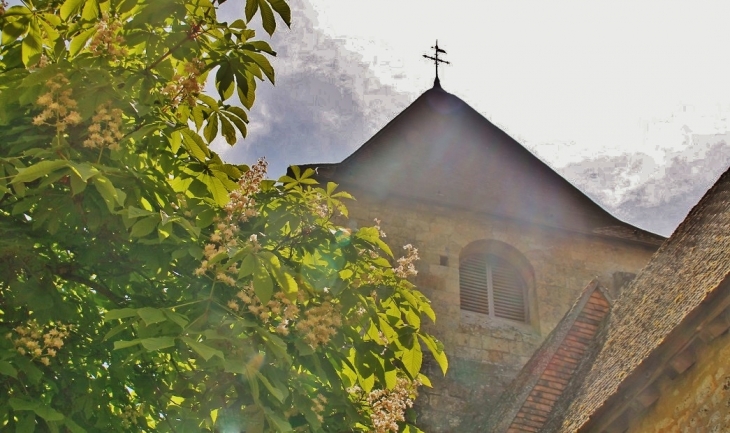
493,280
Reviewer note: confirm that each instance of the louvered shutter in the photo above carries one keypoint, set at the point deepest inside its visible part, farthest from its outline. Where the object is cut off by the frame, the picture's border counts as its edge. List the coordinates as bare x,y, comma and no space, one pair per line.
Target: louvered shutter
489,281
473,286
508,290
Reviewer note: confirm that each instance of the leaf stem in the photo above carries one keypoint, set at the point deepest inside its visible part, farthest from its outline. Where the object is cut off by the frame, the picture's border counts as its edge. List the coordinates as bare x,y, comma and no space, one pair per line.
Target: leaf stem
190,36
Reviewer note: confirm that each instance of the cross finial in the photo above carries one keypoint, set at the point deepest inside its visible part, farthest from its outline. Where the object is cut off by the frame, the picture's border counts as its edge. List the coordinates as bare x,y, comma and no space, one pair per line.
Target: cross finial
436,61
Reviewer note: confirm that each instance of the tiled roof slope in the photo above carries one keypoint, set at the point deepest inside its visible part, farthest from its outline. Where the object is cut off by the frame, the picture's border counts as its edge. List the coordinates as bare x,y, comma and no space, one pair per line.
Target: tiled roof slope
683,273
528,401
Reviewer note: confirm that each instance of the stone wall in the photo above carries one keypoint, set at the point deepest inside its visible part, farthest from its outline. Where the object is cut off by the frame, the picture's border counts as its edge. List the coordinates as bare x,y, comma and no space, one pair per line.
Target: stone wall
698,401
486,354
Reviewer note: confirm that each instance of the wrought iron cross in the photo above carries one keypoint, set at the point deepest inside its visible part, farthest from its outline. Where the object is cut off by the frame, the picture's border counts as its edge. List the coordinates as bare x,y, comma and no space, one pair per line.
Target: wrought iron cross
436,61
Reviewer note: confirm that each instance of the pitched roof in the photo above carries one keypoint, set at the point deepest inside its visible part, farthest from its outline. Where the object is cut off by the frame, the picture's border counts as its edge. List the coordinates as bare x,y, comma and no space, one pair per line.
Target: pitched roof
441,150
681,291
527,403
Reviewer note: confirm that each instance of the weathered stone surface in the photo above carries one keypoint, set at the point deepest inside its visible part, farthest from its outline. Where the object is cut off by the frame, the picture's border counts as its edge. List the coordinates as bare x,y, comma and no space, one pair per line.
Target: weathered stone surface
485,354
698,401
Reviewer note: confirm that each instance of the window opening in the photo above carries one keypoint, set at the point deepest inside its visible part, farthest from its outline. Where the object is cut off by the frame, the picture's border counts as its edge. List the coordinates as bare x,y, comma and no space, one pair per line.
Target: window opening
491,285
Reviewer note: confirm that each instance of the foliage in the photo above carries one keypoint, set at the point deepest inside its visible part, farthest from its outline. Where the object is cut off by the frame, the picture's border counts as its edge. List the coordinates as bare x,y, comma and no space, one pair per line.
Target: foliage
147,285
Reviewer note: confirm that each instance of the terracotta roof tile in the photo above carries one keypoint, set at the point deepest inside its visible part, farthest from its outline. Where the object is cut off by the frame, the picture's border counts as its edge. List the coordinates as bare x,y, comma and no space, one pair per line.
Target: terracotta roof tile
530,398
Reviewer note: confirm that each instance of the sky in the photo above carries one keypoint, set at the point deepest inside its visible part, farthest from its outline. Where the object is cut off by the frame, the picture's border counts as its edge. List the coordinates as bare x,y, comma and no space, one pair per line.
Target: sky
628,100
570,80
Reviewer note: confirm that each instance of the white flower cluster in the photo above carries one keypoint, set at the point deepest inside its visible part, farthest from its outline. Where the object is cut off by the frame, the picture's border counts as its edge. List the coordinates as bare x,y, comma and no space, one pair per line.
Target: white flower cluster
130,414
388,406
318,406
107,41
31,340
319,206
105,128
377,227
241,206
186,87
320,324
405,267
279,309
59,108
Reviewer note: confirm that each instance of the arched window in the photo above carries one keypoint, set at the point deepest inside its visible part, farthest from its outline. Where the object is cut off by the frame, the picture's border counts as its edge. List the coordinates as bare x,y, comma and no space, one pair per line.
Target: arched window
492,282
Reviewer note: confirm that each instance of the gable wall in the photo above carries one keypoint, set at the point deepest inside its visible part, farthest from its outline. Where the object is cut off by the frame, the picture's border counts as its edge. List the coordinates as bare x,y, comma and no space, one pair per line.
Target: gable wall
485,355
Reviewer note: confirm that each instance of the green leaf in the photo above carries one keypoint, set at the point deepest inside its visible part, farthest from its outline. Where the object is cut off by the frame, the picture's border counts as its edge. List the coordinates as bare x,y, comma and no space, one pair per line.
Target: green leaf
248,264
238,111
428,311
198,116
282,8
366,383
234,366
345,274
124,6
17,11
135,212
75,428
91,10
78,185
211,128
262,46
391,378
40,169
255,420
303,348
151,315
26,423
22,404
277,421
179,319
121,344
413,318
117,329
285,278
7,369
412,359
14,29
228,131
251,8
224,81
277,393
121,313
48,413
264,64
70,7
206,352
246,90
79,41
157,343
175,141
267,17
110,194
144,226
216,188
32,45
437,351
262,284
194,144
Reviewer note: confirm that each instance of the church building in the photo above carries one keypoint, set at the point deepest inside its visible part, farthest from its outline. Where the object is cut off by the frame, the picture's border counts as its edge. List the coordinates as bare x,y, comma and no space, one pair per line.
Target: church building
534,285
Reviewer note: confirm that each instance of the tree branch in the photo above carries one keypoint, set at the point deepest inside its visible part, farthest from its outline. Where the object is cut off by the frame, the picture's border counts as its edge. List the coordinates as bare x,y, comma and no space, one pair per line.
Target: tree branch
104,291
